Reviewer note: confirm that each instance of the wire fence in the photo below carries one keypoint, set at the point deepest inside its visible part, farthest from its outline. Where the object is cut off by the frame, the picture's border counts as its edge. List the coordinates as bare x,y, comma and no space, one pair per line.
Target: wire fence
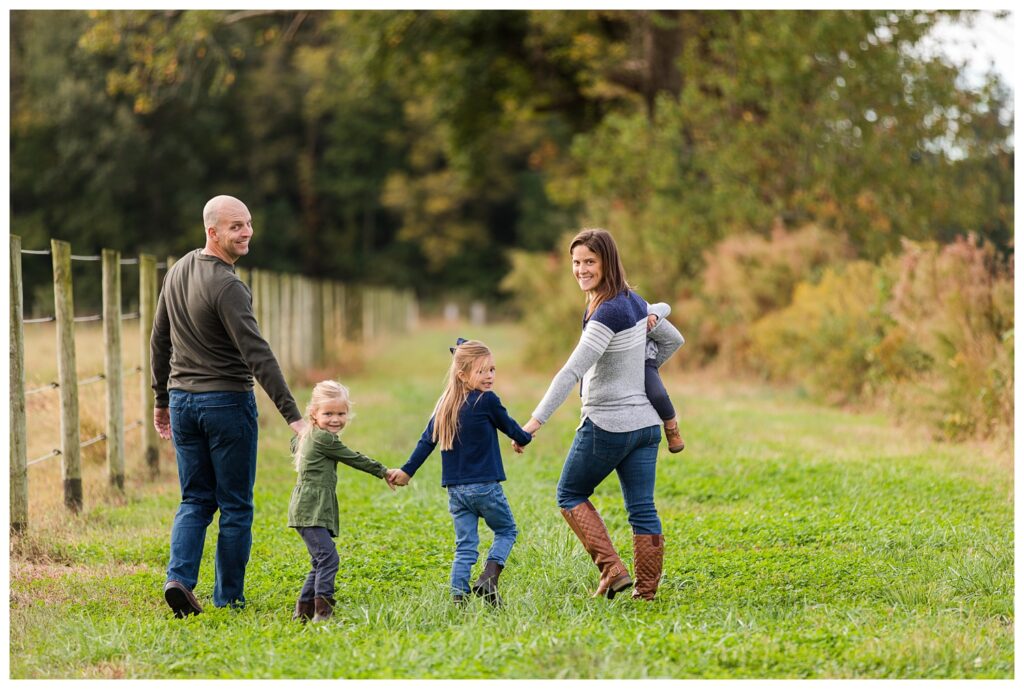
307,323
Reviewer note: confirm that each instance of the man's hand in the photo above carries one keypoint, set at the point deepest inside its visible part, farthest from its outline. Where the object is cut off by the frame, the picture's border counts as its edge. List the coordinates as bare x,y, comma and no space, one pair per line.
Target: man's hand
299,426
162,422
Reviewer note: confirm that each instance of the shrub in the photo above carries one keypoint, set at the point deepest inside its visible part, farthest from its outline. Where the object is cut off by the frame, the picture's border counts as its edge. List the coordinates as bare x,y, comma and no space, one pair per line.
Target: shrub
747,276
825,338
930,332
955,303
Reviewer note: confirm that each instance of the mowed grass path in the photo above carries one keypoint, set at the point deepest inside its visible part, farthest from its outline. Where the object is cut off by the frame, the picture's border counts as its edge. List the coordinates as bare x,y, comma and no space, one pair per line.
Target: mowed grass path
801,541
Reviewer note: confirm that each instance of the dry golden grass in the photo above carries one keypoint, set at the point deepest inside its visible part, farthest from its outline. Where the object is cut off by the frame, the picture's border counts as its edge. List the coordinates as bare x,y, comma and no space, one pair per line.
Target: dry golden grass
46,499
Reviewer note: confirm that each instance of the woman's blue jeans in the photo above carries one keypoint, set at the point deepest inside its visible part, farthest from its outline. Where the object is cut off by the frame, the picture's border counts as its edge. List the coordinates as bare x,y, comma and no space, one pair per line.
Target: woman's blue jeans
468,503
633,455
215,442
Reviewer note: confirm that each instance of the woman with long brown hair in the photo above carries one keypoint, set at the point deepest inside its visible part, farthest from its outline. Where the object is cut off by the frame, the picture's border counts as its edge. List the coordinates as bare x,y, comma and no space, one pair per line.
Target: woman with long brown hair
619,429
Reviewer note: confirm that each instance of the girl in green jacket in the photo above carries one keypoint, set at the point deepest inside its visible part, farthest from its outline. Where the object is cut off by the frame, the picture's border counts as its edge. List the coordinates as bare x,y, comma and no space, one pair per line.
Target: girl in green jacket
313,509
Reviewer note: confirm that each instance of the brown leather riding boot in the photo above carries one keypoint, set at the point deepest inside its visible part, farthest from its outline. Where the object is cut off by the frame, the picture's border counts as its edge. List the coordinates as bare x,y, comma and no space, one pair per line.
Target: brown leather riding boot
323,609
648,554
590,529
304,610
675,441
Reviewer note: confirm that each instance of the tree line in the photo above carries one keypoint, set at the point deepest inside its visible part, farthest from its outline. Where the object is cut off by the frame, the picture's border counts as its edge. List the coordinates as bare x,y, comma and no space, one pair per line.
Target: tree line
419,148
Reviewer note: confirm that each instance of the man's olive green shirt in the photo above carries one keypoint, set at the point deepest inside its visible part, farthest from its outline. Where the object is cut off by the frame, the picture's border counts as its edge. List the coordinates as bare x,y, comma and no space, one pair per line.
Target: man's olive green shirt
206,339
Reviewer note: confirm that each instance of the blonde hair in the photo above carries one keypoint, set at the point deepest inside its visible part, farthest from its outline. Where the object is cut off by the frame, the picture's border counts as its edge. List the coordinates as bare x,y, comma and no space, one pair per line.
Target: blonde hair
456,391
324,391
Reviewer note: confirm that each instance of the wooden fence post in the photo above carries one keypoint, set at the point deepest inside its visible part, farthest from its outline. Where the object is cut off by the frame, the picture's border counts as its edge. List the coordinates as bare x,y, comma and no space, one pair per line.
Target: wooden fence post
147,311
369,294
354,313
327,320
284,313
320,326
339,315
64,305
266,318
19,426
112,345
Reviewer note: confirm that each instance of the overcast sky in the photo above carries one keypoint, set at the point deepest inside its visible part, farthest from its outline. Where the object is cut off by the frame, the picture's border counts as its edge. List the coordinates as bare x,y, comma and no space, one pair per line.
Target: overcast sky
988,44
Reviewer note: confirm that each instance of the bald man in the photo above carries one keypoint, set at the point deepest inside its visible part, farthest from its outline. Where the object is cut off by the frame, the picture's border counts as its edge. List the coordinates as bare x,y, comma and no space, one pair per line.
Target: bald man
207,351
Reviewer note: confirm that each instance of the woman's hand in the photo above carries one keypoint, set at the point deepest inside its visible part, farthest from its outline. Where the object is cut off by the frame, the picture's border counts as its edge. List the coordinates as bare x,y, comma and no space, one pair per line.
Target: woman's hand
530,427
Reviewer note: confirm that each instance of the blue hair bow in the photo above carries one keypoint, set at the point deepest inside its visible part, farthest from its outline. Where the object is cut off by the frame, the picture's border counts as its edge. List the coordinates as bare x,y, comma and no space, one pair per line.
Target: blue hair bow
458,341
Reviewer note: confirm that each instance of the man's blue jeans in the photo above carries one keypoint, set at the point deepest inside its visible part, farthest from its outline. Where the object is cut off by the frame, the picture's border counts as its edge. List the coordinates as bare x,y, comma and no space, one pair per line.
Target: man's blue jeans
214,437
468,503
633,455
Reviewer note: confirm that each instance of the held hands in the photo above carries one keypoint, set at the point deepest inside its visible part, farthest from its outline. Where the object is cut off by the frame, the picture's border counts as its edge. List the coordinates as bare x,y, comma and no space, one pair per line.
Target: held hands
396,477
299,426
651,320
530,427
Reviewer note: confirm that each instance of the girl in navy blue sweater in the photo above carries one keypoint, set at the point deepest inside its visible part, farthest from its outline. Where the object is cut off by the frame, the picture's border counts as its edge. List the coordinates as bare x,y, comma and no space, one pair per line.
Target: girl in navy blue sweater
465,422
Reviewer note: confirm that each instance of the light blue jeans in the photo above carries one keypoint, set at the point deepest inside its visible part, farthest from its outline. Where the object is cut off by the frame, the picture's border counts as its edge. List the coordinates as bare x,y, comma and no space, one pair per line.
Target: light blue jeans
468,503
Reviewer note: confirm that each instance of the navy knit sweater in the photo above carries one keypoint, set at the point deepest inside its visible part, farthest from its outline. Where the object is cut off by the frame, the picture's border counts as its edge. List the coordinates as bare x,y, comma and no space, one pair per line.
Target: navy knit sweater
475,457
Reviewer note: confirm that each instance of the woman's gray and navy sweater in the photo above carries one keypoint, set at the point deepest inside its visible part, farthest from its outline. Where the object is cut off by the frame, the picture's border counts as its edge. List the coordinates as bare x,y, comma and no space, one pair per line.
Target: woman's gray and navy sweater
609,359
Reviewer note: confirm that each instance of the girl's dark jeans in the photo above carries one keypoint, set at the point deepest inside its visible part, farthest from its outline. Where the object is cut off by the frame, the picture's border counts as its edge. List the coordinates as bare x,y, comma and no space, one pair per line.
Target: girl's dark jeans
323,556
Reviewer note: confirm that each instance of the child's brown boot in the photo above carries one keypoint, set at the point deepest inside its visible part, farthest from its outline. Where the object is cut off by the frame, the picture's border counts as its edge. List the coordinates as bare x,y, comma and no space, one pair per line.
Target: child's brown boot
304,610
675,441
323,608
487,584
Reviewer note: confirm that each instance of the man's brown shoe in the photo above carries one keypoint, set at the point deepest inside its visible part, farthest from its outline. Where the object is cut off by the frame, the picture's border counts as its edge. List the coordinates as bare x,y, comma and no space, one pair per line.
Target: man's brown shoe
181,599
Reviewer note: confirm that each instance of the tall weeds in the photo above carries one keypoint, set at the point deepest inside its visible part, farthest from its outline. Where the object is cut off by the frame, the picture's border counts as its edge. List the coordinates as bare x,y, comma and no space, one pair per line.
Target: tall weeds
928,332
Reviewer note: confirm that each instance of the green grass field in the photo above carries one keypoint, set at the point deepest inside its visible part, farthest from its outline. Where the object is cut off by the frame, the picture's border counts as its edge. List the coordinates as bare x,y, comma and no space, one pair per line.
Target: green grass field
801,542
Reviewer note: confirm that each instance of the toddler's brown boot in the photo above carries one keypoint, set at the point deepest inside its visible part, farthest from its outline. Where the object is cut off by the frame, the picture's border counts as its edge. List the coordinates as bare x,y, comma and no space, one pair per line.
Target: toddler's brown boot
675,441
323,608
304,610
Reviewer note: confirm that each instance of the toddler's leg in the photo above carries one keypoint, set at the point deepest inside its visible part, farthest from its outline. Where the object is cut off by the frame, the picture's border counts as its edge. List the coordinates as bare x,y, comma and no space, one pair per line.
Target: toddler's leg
466,542
658,396
324,555
304,605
